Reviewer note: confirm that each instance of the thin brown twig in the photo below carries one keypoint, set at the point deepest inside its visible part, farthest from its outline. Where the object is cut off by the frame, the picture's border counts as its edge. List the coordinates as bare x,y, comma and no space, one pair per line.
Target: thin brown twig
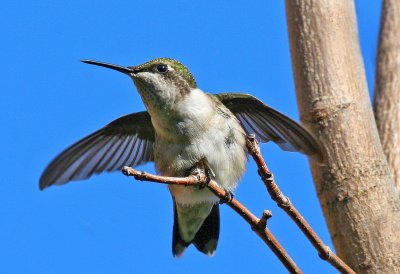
283,202
258,225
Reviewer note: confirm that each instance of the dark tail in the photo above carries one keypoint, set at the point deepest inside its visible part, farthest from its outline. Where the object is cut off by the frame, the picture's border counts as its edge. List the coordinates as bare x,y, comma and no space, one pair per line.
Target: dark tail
206,238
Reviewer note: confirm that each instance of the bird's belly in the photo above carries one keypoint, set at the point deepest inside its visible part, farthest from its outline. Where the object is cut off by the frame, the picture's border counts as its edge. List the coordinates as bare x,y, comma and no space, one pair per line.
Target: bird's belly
226,157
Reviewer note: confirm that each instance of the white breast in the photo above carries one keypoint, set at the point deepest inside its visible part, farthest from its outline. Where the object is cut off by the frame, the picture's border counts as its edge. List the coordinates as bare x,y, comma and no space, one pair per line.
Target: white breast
200,133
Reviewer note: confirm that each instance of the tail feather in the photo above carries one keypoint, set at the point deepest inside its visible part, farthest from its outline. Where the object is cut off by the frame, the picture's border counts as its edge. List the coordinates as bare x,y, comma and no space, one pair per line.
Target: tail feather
178,244
206,238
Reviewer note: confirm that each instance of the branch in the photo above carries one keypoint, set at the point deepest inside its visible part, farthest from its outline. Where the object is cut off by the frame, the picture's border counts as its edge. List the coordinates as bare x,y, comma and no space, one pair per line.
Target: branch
283,202
354,185
201,179
387,86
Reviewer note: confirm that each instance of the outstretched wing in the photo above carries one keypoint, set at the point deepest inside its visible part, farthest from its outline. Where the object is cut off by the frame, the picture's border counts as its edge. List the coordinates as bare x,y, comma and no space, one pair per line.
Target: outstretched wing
268,124
126,141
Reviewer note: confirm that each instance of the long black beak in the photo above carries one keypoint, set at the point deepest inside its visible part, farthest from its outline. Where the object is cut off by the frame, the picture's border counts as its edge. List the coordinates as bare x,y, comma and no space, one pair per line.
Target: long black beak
125,70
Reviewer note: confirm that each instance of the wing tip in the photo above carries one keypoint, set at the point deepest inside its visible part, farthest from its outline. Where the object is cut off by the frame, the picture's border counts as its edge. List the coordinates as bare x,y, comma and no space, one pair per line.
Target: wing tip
317,155
314,148
43,184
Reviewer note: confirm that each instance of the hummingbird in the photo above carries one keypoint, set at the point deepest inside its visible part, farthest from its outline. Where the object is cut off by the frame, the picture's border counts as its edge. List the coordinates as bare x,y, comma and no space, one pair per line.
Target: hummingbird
182,127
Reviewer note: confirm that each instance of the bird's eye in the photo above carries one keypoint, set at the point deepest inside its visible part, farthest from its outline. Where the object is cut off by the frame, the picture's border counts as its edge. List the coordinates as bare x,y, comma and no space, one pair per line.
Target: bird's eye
162,68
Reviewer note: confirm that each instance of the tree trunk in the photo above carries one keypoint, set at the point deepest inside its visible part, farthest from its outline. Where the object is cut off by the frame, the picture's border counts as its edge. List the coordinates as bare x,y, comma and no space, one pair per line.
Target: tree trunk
387,90
355,188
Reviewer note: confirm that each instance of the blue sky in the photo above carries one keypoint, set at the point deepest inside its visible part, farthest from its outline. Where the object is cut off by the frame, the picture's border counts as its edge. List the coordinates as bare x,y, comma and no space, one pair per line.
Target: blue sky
110,223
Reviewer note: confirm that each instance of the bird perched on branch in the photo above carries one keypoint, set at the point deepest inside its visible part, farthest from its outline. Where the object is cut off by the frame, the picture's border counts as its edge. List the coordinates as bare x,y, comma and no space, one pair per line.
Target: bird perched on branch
182,126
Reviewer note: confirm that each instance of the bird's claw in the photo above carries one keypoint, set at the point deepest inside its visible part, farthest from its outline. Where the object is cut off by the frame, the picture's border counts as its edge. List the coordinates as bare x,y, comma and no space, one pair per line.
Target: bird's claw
208,174
204,183
227,198
202,167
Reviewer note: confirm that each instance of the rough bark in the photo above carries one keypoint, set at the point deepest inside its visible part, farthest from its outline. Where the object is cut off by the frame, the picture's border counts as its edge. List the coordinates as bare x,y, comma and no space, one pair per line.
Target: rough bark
356,191
387,88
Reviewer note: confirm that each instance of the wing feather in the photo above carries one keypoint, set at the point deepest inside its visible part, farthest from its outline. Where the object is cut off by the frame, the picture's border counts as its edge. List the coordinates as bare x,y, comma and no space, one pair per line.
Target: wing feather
127,140
269,124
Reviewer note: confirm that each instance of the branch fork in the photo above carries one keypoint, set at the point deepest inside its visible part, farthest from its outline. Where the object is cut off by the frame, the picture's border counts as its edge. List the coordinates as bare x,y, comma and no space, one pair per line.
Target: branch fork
283,202
200,178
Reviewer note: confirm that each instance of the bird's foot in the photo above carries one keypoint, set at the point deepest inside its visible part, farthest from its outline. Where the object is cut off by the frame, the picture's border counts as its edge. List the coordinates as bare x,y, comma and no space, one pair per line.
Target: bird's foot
196,171
202,167
227,198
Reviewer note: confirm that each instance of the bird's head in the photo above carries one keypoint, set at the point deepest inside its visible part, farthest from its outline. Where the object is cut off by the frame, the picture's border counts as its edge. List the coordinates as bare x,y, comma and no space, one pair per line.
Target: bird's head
161,82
